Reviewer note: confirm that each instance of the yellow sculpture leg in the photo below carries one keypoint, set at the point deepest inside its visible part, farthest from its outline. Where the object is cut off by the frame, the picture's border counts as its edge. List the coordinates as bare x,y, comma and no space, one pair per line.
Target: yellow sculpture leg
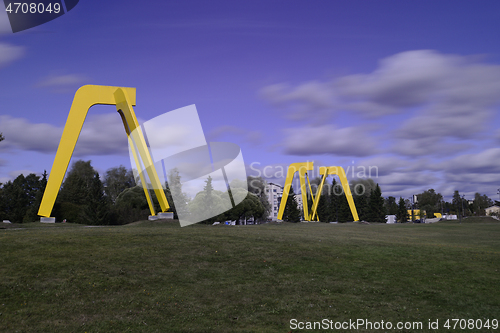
318,195
138,164
336,170
302,168
312,198
126,109
86,97
324,171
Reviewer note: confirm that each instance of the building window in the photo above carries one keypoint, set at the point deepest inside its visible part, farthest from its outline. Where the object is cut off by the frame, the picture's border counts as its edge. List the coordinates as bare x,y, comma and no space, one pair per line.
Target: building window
274,190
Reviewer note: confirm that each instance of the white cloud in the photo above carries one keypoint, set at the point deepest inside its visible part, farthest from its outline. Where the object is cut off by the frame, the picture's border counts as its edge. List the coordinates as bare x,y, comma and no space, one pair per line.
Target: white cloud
467,173
101,135
328,139
403,80
306,100
4,23
427,145
9,53
19,133
408,178
487,161
419,104
386,165
473,178
497,135
442,98
63,83
254,137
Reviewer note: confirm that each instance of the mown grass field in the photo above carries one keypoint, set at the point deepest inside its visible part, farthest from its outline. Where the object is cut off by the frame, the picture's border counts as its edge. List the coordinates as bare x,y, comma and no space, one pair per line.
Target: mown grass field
158,277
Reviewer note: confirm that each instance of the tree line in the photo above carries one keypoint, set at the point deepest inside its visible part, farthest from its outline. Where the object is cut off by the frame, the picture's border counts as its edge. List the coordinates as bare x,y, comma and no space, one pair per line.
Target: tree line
432,202
372,207
333,205
85,198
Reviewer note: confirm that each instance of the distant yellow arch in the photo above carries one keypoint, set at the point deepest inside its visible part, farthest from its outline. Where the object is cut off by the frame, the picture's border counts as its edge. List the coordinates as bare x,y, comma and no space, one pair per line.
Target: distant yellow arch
84,99
302,168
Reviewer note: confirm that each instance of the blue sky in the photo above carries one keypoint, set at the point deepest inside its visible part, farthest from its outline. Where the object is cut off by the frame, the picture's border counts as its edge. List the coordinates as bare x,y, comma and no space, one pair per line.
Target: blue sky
411,88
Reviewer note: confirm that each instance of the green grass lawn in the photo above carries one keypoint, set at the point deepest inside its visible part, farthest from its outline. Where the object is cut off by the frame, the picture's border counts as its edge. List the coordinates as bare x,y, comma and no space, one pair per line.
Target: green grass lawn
158,277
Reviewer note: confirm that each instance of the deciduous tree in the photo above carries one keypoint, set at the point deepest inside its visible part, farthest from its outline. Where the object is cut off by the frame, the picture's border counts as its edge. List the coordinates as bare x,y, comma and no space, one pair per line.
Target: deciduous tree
19,197
117,180
391,206
250,207
257,186
430,202
32,212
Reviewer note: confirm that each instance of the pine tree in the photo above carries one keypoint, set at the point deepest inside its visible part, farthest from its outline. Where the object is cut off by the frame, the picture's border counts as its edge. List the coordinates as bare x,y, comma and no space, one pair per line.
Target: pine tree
334,202
323,210
97,207
208,200
75,187
457,203
402,214
174,190
376,206
208,189
361,207
345,214
340,204
291,212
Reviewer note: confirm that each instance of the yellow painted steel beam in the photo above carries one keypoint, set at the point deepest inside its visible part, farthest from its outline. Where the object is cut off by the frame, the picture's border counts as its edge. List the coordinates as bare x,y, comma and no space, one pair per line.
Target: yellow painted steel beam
124,107
312,198
319,190
339,171
302,168
84,99
138,164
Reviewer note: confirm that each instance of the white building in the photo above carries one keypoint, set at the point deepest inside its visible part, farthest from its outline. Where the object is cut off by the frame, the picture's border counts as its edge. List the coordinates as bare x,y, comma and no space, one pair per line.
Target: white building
298,198
493,209
390,219
274,193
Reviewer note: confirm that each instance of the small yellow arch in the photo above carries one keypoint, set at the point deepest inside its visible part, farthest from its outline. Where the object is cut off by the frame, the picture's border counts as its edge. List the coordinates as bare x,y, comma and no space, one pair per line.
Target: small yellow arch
302,168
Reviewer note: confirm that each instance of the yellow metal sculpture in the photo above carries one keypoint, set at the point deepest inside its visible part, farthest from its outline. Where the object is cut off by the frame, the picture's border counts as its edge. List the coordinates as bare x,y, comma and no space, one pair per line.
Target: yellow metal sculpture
303,168
86,97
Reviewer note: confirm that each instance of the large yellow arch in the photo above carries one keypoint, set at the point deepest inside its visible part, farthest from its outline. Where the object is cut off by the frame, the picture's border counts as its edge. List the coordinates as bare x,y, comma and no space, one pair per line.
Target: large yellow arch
85,98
